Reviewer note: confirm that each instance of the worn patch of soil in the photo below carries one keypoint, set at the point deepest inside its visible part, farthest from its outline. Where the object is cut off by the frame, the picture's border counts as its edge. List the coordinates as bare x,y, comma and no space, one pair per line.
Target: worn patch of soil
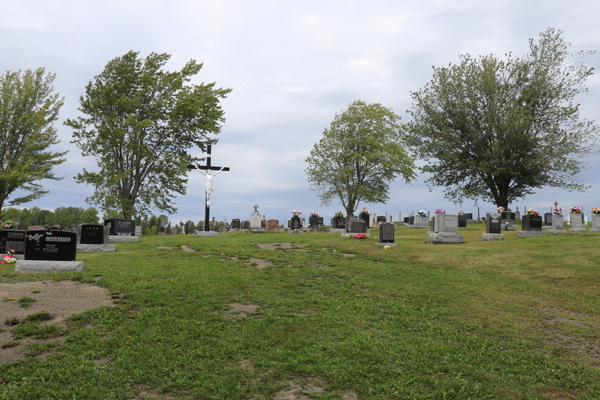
62,299
558,394
297,391
580,346
275,246
239,310
164,247
261,264
185,248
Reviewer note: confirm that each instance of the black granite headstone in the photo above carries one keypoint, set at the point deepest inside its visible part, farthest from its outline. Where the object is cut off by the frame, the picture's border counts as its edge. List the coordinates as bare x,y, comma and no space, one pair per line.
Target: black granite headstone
365,217
381,219
92,234
411,220
339,223
120,226
161,230
387,233
406,220
296,222
245,224
531,223
469,216
235,223
315,221
462,221
50,245
11,239
494,223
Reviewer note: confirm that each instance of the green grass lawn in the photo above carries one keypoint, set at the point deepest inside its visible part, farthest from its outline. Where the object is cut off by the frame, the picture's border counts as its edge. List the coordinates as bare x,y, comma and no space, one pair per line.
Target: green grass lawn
513,319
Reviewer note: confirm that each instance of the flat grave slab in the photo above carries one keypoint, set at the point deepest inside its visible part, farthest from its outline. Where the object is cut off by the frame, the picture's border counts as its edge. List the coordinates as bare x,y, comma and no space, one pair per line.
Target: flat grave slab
209,233
386,244
445,238
37,266
488,237
526,234
96,248
123,239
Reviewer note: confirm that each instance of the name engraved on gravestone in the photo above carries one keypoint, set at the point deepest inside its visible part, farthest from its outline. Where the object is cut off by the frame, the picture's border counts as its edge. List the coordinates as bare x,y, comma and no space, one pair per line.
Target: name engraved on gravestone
91,234
387,233
50,245
447,223
12,240
120,226
273,224
494,224
235,223
245,224
468,216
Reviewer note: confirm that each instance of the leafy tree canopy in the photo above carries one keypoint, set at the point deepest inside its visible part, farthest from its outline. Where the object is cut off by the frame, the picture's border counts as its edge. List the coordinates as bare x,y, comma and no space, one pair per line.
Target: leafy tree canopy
358,156
28,110
497,129
140,121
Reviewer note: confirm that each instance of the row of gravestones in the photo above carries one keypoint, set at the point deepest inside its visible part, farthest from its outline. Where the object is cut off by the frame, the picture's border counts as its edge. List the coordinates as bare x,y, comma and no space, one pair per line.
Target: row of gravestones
55,244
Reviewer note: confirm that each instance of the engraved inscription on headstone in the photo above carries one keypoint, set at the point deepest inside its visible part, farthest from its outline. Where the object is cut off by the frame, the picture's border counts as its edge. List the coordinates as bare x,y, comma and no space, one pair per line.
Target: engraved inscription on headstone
235,223
91,234
296,222
50,245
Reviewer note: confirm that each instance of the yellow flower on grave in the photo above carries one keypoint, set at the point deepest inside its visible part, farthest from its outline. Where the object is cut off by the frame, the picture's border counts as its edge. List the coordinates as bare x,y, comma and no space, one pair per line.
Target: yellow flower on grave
386,247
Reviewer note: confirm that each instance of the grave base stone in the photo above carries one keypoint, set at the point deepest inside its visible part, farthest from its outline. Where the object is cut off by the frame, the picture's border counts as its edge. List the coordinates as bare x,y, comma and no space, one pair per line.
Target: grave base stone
444,237
138,230
123,239
295,231
38,266
526,234
208,234
386,244
557,225
488,237
96,248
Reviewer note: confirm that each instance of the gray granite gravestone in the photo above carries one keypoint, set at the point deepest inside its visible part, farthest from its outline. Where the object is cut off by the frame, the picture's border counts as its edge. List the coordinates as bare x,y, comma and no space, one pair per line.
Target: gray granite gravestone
576,223
445,230
557,227
595,223
421,221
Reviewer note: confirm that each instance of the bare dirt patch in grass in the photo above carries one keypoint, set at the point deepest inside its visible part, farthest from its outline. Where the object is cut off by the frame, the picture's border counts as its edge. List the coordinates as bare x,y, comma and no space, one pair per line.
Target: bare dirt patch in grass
164,247
558,394
61,299
302,391
185,248
260,264
275,246
239,310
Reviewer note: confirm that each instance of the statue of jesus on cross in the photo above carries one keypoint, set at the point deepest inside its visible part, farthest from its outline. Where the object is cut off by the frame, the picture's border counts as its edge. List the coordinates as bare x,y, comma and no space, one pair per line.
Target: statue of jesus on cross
208,185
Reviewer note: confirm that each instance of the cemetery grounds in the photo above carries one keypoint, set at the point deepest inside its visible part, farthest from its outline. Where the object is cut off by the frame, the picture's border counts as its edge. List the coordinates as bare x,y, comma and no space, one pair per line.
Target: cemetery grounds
311,316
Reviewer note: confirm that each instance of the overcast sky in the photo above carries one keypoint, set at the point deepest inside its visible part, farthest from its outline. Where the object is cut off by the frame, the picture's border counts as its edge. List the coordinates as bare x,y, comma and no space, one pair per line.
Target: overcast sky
292,66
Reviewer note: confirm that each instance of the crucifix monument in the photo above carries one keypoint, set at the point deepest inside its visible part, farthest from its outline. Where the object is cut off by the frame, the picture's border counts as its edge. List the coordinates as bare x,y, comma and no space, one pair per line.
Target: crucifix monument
208,185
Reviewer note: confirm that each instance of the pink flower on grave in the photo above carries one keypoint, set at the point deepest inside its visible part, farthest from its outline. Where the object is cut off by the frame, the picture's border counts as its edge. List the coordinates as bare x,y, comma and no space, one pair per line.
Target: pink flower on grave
360,236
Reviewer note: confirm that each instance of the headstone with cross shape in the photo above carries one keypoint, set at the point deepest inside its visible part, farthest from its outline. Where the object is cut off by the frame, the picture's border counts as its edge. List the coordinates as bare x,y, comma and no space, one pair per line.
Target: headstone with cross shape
208,186
255,219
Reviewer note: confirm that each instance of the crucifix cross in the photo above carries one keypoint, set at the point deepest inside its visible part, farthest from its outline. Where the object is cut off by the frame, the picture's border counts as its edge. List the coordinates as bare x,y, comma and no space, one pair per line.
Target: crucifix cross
208,187
256,207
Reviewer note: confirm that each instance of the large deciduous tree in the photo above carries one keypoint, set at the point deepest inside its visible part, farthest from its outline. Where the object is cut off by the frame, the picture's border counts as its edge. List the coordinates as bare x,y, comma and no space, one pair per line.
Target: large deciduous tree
496,129
140,121
358,156
28,110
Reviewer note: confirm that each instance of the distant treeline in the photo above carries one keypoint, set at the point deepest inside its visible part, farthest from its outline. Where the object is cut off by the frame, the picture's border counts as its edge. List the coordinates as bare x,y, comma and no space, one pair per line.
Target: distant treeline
63,216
